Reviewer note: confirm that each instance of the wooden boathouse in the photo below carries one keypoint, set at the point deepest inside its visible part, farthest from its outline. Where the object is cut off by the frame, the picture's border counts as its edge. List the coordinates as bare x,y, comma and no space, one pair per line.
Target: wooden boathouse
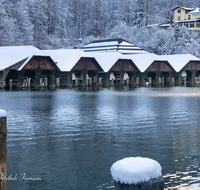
30,67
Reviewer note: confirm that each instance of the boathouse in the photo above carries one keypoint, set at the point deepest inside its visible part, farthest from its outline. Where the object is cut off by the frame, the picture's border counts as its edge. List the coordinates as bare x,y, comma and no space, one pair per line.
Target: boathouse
160,72
123,72
187,68
31,67
86,72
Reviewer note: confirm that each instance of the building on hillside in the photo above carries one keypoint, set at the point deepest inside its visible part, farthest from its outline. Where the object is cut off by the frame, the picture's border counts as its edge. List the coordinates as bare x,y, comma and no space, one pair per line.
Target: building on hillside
189,17
113,45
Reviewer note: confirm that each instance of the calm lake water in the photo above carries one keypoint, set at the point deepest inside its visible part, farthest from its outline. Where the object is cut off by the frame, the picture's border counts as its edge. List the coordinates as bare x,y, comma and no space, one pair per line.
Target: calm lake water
71,137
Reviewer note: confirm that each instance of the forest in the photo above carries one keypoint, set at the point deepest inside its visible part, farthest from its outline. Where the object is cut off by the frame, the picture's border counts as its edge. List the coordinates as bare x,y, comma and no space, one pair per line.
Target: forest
55,24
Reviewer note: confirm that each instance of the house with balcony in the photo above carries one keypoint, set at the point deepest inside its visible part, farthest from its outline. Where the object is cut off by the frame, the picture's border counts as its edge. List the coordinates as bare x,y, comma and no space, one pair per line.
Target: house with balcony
189,17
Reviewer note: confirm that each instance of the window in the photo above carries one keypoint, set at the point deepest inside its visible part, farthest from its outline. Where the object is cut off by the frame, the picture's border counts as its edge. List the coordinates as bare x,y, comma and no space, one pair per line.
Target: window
187,11
89,64
188,17
153,65
80,64
162,66
186,24
179,18
179,11
126,65
78,75
180,24
198,66
117,65
191,24
190,65
33,62
198,24
43,63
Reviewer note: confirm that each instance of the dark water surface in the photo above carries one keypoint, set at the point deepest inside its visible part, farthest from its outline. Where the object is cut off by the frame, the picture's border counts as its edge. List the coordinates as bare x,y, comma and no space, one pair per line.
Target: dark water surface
70,137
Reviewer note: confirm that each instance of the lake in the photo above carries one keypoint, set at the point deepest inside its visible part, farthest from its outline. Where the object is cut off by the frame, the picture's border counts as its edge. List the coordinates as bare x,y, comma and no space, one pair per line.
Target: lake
69,138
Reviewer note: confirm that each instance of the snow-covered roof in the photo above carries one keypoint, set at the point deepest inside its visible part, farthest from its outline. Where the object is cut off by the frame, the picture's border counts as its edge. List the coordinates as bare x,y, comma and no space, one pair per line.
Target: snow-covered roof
178,61
118,45
13,54
67,58
197,10
165,25
142,61
193,20
185,8
135,170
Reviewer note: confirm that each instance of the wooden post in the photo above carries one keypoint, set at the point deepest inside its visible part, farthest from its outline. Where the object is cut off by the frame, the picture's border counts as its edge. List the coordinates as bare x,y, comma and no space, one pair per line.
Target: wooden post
10,83
112,82
185,80
127,82
137,81
57,82
159,80
25,83
163,80
150,80
41,82
90,81
173,81
45,82
196,79
29,82
3,150
100,81
76,82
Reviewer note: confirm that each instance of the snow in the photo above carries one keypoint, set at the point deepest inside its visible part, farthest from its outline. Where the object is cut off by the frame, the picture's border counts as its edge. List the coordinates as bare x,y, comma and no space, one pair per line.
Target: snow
123,47
13,54
178,61
134,170
126,44
67,58
197,10
102,44
193,20
2,113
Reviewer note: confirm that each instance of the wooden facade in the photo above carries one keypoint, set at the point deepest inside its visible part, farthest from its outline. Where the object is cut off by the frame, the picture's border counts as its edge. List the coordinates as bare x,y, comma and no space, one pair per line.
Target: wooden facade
124,71
190,73
38,71
159,72
85,72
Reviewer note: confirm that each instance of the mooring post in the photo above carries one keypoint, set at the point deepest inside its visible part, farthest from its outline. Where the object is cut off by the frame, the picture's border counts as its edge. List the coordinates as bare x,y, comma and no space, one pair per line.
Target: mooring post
58,82
29,83
100,81
10,83
173,81
137,81
127,81
3,150
150,80
45,82
136,173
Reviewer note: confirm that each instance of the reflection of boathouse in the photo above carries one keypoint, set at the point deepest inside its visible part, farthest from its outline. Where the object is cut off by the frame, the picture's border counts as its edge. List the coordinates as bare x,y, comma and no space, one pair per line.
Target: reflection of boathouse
31,67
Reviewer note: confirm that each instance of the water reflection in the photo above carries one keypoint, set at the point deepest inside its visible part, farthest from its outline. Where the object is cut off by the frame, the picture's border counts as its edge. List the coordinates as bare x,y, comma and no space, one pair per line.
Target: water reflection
71,137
